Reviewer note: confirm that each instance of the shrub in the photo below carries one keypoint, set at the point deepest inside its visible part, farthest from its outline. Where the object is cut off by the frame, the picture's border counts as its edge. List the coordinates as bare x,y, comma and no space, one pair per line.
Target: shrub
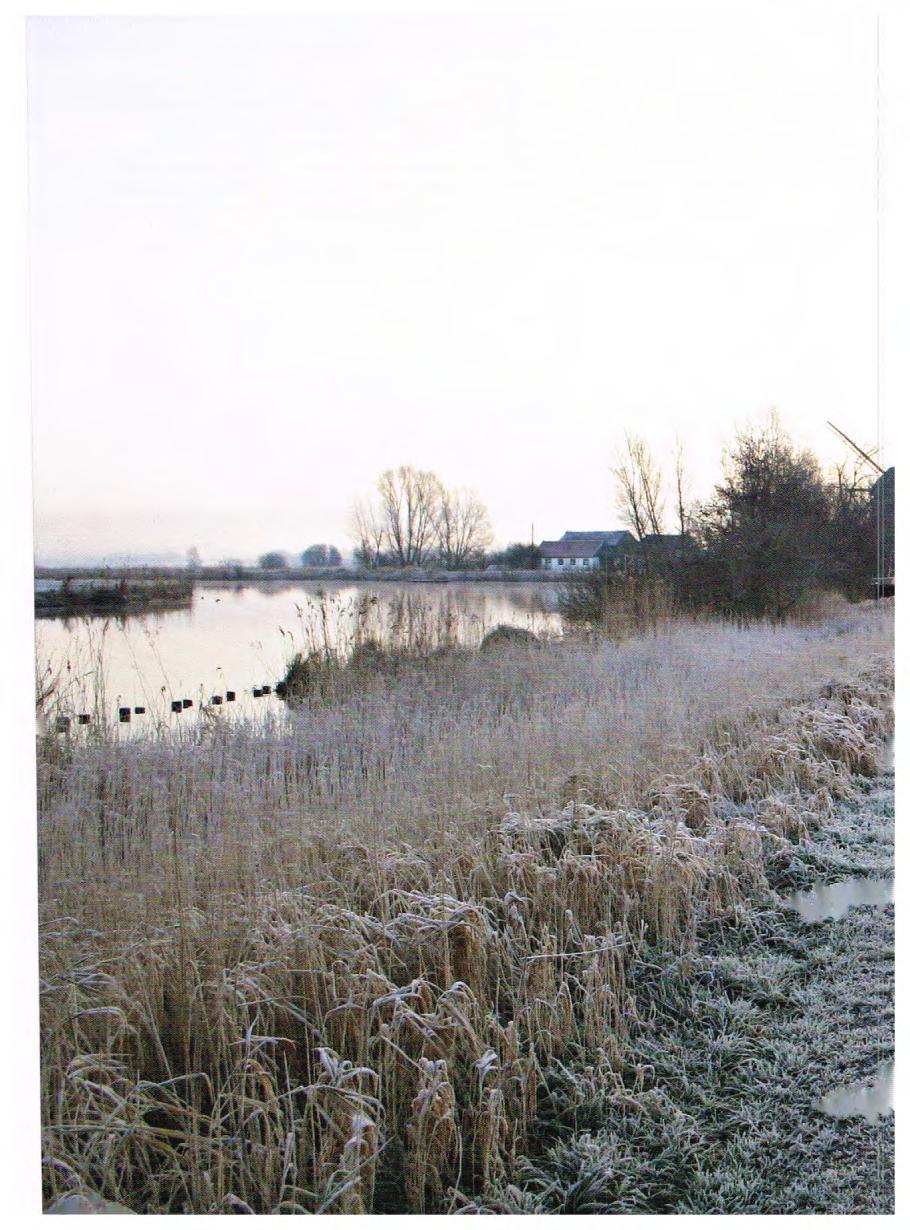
615,604
508,634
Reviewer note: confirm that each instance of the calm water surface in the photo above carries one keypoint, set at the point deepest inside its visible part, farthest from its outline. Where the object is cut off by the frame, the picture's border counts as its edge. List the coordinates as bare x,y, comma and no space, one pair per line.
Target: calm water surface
240,637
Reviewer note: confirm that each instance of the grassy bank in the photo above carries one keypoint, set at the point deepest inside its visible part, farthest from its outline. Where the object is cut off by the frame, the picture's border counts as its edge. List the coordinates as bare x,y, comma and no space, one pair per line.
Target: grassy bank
716,1109
365,958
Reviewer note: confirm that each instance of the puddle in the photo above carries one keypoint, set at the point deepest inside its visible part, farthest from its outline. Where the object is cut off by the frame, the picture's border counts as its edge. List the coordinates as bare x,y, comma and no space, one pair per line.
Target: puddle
870,1101
85,1202
888,755
834,900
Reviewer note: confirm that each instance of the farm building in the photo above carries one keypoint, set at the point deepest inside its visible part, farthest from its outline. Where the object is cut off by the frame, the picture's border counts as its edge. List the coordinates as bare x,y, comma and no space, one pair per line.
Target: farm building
669,546
588,549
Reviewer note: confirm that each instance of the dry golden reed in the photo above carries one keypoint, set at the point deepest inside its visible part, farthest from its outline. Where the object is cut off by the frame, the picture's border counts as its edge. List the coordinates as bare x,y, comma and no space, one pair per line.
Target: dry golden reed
336,966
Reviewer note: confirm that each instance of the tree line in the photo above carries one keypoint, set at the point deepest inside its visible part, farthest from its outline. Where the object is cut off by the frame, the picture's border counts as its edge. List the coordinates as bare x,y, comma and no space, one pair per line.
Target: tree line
319,555
775,530
415,519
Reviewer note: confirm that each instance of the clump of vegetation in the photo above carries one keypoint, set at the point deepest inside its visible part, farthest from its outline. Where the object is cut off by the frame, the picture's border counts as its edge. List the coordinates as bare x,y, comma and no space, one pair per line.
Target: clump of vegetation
101,597
616,605
508,634
517,555
314,673
310,966
343,640
776,534
304,675
321,555
373,655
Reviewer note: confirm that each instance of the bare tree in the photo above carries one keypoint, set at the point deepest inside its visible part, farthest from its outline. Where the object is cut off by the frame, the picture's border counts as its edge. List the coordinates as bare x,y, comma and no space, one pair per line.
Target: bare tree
852,481
631,501
652,487
368,532
851,558
640,489
409,509
463,528
682,492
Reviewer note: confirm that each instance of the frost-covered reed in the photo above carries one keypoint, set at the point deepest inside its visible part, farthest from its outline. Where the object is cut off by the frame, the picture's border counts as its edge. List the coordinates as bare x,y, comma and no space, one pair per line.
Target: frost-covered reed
350,960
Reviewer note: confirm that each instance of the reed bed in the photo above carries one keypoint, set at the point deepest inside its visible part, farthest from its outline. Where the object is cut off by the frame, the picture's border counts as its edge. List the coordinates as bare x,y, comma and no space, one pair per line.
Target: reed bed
357,959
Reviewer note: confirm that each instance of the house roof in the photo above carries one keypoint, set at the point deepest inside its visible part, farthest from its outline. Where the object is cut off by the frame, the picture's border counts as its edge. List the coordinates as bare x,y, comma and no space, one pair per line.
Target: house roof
609,538
667,540
583,545
578,549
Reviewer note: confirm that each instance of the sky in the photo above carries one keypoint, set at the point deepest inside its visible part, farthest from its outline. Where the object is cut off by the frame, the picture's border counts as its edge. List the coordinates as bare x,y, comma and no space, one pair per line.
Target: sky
271,257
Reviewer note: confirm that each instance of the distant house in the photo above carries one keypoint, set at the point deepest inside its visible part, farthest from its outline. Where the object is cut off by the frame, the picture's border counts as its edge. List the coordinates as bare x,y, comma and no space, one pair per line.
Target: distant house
578,549
669,546
665,542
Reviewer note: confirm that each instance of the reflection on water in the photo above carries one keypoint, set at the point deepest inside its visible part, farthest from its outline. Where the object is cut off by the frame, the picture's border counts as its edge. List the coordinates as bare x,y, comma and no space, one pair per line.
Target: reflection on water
870,1101
239,637
834,900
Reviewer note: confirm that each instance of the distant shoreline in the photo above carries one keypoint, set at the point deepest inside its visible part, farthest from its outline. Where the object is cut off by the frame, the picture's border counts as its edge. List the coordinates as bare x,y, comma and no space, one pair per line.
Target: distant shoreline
110,595
251,575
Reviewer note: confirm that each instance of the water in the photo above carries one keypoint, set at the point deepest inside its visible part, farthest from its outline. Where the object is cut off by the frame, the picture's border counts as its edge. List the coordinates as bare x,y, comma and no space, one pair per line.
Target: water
834,900
86,1202
888,755
870,1101
239,637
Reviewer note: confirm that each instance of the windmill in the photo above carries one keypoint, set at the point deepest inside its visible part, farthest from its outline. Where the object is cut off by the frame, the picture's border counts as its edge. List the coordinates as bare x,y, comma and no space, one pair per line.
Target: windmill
856,448
883,495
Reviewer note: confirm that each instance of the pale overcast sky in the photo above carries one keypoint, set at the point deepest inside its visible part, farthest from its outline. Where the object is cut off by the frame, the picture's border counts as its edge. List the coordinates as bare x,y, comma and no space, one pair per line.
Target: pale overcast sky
270,258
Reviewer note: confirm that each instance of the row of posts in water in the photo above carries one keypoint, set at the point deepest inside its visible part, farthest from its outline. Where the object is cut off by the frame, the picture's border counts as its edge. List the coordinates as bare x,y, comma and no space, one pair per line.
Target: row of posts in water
126,712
